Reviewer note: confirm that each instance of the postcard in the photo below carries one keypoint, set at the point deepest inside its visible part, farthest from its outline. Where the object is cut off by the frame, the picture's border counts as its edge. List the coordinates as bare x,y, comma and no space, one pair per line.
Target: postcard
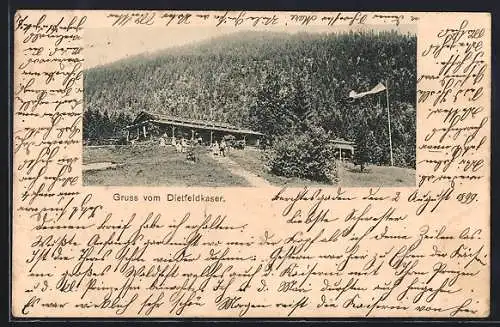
238,164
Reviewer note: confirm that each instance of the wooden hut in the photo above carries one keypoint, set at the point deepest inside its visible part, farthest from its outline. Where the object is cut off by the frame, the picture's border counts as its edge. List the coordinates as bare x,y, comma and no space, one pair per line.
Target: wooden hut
147,125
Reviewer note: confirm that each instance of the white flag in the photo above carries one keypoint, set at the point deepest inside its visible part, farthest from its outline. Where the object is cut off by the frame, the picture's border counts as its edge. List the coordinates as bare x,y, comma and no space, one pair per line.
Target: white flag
378,88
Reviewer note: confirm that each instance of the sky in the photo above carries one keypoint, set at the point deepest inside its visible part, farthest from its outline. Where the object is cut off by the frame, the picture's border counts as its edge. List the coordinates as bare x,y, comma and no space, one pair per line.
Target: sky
106,45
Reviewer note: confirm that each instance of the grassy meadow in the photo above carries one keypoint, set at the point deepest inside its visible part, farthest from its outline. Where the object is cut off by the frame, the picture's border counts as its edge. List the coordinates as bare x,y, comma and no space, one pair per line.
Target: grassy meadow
151,165
349,175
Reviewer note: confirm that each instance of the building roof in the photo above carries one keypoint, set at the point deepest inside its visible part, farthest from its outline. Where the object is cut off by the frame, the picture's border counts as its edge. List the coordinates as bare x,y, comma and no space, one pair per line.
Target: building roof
191,123
342,141
145,116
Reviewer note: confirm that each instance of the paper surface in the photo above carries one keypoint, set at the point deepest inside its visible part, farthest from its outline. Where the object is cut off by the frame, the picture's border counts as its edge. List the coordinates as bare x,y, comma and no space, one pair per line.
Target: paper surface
89,242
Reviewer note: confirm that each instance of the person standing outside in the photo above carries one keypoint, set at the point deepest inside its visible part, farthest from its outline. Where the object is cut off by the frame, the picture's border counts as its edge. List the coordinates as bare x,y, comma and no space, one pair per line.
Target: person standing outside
223,147
215,148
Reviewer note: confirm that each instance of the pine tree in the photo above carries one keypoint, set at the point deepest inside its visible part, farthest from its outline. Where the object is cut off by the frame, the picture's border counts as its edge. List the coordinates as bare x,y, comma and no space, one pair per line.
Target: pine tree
98,130
270,114
107,128
362,152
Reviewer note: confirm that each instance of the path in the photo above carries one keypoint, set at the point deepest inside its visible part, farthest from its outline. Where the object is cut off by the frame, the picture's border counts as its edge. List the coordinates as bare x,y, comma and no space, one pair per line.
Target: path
100,166
253,179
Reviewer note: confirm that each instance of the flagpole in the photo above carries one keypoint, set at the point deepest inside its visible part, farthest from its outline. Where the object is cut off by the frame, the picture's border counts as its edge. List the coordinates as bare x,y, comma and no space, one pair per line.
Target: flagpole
389,118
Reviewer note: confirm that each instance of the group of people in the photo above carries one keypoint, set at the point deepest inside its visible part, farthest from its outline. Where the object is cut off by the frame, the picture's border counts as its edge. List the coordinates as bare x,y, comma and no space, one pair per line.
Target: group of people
219,149
181,145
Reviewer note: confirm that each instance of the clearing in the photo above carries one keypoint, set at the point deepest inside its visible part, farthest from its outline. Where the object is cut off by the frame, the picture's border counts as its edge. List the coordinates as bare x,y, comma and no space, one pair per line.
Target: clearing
350,176
151,165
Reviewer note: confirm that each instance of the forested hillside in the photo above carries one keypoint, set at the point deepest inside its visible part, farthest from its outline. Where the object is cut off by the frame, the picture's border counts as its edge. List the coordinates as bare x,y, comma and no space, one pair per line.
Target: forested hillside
273,82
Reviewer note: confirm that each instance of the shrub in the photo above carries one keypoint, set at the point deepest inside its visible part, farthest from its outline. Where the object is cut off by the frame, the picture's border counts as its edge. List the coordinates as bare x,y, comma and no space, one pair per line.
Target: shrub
122,141
306,155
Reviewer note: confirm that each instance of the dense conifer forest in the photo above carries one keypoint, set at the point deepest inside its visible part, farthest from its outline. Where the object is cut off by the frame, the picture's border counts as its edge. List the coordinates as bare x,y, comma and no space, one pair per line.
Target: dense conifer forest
278,83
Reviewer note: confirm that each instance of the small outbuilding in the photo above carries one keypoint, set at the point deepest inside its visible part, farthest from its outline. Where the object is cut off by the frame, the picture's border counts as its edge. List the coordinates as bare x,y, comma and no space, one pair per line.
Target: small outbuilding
344,149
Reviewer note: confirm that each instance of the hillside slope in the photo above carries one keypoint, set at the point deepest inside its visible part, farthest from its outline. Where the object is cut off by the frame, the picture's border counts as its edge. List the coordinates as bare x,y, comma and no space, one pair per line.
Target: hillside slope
221,79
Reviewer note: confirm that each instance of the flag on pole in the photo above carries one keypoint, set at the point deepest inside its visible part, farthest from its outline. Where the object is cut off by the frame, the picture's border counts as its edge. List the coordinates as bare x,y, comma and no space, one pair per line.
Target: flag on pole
378,88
